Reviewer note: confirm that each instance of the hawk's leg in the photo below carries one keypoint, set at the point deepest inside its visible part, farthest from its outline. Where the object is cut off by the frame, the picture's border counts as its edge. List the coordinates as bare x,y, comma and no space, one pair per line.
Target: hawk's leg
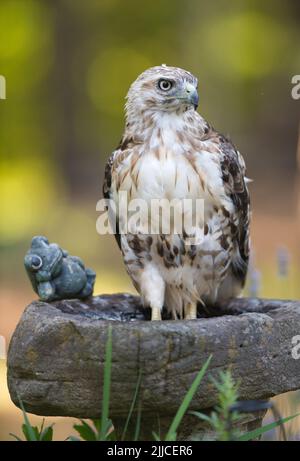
152,289
190,311
155,313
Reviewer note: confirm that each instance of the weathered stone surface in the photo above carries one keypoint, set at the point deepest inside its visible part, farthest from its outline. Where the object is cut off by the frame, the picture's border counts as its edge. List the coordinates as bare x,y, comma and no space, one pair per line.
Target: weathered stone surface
56,355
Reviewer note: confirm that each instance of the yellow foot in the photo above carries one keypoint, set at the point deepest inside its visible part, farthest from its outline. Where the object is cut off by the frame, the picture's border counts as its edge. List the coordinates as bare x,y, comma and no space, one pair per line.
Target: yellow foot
155,313
191,312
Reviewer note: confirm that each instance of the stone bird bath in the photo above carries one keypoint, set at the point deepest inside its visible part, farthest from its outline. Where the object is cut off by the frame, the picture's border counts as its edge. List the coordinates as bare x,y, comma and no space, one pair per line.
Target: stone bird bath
56,358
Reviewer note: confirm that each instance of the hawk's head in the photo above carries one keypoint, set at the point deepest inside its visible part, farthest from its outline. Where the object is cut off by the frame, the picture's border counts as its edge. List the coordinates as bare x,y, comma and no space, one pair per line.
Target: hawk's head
163,88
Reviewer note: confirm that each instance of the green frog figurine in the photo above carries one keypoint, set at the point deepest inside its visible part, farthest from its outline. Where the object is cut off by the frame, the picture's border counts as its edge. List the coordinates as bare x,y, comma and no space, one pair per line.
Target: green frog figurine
54,274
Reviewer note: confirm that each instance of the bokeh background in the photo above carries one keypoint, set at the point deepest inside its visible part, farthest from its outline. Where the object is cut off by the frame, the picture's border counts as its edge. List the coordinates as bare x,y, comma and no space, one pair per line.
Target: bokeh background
68,65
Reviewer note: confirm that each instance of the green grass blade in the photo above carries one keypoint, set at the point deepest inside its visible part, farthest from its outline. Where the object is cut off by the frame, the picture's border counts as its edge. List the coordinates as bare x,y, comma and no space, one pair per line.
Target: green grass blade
186,402
106,386
156,437
261,430
42,426
138,423
47,434
28,437
137,388
31,434
16,437
72,438
201,416
85,431
97,425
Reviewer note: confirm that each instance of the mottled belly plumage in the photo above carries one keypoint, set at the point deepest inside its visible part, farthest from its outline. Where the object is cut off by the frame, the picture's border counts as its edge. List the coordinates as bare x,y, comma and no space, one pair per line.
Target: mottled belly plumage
191,273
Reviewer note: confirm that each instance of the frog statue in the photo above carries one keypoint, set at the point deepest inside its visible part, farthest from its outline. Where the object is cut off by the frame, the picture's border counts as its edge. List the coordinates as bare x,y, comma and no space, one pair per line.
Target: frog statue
56,275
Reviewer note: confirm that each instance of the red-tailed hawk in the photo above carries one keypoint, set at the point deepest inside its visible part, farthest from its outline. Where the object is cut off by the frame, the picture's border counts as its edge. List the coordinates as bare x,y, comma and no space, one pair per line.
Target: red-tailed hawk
168,151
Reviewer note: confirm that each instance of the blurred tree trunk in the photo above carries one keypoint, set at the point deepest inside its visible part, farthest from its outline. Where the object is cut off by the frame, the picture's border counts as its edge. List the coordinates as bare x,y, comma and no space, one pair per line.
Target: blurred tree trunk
77,165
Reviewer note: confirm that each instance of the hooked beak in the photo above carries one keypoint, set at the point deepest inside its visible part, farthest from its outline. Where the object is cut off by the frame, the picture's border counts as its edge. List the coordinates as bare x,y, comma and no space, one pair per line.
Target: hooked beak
191,95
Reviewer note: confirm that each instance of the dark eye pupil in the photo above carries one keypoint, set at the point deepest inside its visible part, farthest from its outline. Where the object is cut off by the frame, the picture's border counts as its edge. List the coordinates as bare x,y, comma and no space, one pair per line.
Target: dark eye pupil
165,85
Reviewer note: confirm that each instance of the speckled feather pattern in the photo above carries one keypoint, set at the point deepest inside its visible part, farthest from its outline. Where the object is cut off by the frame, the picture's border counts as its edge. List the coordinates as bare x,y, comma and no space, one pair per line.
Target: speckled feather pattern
169,151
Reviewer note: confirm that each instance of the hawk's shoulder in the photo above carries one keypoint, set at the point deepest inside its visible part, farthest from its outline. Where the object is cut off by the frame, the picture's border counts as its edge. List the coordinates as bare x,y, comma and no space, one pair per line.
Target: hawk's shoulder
119,155
107,192
107,177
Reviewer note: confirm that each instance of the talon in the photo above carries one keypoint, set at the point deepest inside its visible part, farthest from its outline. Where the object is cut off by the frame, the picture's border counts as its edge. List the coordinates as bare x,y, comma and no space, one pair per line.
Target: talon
155,313
191,312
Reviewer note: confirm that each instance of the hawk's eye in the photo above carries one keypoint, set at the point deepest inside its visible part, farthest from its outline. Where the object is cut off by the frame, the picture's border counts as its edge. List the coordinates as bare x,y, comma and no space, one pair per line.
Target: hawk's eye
36,262
165,85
